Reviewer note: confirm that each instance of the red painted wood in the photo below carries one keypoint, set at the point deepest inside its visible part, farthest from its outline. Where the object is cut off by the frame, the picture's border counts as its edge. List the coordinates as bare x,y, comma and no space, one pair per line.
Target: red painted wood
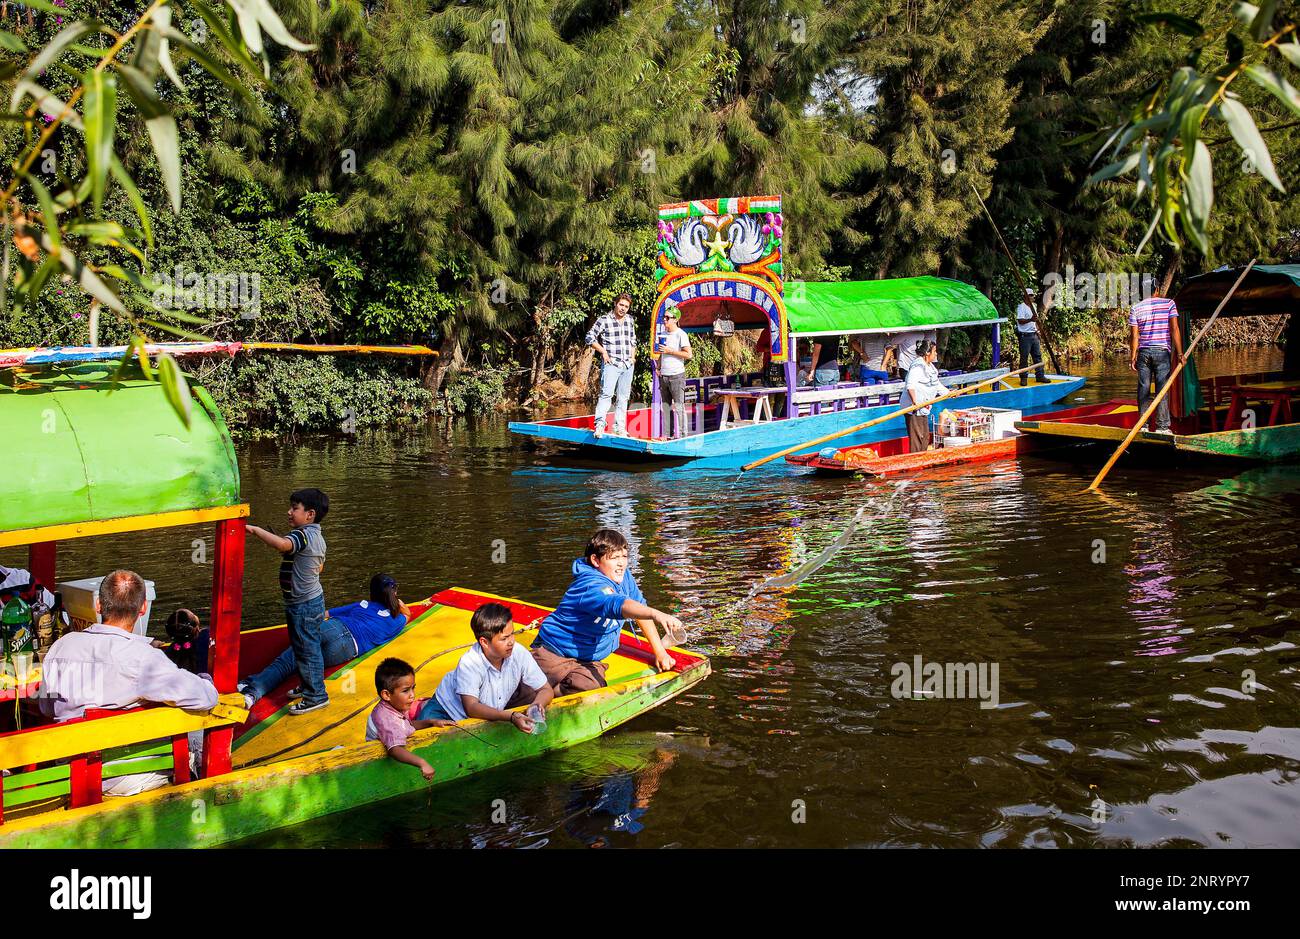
227,602
41,561
216,751
258,648
86,780
181,759
524,614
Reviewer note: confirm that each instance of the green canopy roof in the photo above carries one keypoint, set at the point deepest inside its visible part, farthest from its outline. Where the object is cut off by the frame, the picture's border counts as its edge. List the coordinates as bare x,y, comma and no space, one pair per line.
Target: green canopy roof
872,306
1267,289
80,448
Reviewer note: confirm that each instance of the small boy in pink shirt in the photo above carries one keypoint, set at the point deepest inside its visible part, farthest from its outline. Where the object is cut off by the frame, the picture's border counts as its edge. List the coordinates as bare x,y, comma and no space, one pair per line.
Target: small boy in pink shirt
395,718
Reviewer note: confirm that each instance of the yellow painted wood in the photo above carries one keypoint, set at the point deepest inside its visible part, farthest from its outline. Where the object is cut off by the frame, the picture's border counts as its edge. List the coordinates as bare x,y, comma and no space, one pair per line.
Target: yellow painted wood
444,632
114,526
62,741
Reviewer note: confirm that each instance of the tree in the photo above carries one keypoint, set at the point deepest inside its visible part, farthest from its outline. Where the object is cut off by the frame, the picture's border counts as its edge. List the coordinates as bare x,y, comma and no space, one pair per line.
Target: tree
64,226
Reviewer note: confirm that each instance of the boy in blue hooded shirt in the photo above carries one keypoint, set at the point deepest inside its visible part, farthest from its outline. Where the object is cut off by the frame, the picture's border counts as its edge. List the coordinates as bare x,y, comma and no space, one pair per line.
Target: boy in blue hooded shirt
573,641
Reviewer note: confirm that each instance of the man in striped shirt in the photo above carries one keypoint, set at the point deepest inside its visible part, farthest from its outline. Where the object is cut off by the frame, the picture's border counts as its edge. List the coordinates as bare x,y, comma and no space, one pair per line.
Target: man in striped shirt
613,336
1153,331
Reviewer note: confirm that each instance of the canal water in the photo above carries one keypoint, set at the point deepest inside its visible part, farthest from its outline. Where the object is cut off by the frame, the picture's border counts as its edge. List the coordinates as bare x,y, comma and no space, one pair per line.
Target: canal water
1133,653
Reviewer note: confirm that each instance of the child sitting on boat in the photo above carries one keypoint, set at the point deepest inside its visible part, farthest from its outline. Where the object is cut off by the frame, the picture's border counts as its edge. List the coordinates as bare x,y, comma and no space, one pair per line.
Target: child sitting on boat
583,631
492,677
187,645
348,631
394,718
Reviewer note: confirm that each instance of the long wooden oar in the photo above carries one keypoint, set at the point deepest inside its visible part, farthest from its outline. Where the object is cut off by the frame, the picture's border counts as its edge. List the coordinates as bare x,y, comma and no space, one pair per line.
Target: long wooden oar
888,417
1160,395
1038,313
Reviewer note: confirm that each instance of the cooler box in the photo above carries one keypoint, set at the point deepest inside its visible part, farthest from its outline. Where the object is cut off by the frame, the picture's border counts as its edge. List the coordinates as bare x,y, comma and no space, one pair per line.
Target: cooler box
79,600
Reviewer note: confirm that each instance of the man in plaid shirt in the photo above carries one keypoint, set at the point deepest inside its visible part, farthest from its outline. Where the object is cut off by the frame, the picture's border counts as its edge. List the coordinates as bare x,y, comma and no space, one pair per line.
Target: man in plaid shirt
614,338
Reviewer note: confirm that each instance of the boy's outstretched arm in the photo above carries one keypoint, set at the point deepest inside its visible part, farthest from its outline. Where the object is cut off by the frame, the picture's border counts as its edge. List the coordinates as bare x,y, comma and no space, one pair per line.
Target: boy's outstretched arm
648,618
476,708
271,538
403,755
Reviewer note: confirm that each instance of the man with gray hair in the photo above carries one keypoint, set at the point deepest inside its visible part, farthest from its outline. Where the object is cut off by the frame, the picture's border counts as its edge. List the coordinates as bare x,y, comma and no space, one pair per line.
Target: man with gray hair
108,666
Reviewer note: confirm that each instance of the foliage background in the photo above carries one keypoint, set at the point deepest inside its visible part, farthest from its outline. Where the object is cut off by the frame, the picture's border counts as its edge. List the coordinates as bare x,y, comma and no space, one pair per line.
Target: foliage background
482,177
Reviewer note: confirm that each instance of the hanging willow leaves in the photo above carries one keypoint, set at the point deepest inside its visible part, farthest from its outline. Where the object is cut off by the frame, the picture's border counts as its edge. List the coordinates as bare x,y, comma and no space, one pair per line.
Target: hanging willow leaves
100,117
1242,127
175,388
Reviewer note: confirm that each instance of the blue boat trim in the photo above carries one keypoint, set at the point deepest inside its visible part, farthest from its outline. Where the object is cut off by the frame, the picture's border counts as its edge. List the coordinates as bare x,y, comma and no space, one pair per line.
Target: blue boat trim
737,445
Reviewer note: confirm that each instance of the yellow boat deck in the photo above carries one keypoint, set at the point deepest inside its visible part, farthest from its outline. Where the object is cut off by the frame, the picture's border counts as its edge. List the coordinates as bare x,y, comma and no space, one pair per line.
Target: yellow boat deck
441,635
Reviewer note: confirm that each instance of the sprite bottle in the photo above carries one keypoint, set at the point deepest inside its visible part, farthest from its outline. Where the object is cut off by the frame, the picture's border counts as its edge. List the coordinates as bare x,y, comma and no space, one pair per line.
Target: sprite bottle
16,628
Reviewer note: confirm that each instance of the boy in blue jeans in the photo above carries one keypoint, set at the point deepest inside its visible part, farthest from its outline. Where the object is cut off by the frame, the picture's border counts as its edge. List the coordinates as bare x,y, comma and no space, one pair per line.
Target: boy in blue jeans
303,559
583,630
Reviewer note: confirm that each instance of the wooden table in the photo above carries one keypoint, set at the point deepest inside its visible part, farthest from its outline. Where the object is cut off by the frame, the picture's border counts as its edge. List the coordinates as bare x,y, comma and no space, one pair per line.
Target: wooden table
761,398
1278,392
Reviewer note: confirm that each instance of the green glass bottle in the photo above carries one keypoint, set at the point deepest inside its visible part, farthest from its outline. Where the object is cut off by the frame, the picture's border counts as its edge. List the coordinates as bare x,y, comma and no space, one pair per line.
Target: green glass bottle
16,624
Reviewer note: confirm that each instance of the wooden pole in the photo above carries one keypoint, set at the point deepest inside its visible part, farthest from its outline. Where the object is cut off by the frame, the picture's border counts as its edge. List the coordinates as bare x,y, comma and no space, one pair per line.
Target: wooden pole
1042,325
880,420
1160,395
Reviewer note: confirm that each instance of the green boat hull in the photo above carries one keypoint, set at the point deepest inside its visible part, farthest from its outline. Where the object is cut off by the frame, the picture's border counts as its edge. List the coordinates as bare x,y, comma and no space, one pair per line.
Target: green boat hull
207,813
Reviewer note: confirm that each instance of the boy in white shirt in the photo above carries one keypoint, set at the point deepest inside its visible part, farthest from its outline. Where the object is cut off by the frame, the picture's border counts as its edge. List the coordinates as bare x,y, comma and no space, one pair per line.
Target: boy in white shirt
492,677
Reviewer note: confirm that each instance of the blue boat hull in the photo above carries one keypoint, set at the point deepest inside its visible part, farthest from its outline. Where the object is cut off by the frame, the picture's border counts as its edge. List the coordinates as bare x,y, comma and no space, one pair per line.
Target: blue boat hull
742,444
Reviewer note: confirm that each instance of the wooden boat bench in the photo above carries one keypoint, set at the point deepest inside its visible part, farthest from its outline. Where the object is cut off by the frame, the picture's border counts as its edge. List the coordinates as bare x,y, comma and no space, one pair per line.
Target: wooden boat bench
80,748
1279,394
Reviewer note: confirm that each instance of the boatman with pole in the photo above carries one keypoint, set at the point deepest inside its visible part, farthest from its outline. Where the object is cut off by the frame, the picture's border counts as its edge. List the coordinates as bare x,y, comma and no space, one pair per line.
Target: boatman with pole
1153,325
1031,350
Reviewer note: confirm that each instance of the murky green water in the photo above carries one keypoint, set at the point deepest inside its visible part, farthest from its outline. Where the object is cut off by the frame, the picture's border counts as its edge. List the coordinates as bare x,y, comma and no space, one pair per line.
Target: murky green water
1144,640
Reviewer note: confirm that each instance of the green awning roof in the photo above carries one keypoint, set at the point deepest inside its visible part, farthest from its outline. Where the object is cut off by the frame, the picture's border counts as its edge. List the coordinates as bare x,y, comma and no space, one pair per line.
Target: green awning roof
867,306
1268,289
81,449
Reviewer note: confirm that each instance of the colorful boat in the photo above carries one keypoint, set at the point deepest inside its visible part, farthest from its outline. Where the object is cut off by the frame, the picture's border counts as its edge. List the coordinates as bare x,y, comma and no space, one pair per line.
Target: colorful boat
892,458
720,269
258,772
1242,418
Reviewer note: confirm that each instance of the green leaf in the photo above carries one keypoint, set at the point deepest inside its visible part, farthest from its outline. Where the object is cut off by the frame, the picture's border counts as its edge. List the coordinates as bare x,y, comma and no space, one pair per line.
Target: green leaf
47,103
1236,48
176,388
1200,187
1183,24
249,27
100,117
1189,127
212,66
1276,85
166,144
11,43
1245,12
56,46
131,277
1118,168
146,50
142,91
97,231
162,20
133,195
176,330
1242,127
49,213
32,289
89,280
1262,25
46,6
1290,51
1151,230
271,22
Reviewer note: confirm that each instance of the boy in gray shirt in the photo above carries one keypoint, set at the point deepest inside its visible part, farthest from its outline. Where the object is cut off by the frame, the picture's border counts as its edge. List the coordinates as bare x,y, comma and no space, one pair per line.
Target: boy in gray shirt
303,551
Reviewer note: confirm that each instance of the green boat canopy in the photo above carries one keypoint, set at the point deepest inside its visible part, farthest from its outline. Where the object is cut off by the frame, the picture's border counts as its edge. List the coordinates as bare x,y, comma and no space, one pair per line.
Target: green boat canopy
877,306
83,448
1268,289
